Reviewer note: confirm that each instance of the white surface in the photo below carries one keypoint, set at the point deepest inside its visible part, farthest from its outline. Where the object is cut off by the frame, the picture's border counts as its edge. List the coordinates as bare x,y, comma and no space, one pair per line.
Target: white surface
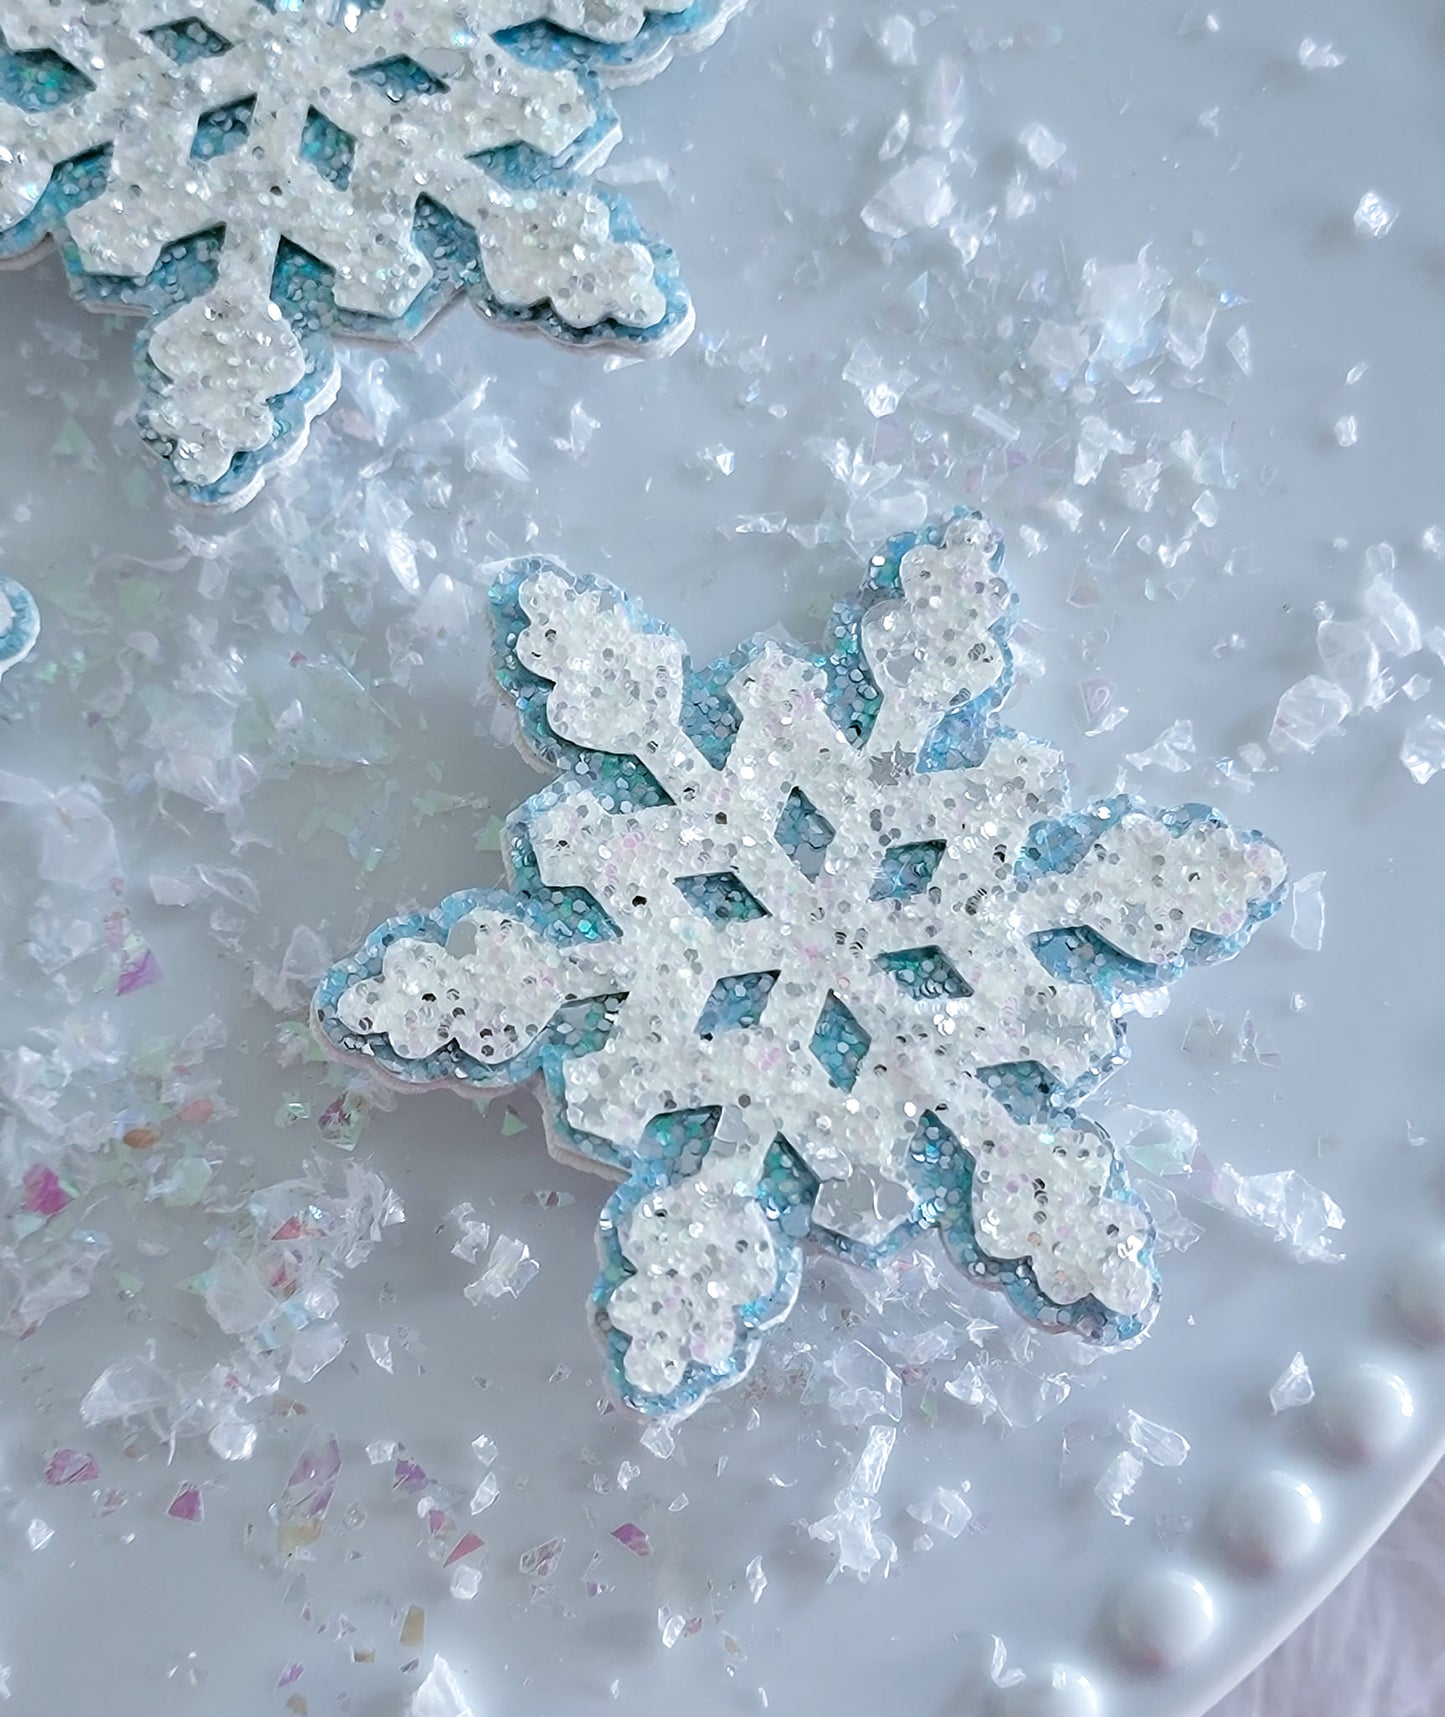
769,174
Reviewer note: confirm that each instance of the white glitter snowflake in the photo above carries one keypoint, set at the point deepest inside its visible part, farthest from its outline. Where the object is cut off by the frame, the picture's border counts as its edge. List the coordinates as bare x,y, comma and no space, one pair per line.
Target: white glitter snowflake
807,949
257,175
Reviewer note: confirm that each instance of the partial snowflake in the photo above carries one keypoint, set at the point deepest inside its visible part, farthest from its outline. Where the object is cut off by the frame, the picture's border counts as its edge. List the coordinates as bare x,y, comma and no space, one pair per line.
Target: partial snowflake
19,623
807,950
256,176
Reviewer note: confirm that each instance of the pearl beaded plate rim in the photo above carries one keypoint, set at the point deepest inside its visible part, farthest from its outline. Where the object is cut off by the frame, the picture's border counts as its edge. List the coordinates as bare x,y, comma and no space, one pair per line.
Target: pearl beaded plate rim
1341,1472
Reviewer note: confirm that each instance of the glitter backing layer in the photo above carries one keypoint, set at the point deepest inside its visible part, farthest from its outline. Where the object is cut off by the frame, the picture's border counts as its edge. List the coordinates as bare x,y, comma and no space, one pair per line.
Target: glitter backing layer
255,180
19,623
908,964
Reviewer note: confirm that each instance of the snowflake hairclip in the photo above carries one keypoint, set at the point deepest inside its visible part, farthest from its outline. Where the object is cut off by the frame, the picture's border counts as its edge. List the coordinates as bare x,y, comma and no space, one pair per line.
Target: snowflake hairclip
19,623
256,176
806,950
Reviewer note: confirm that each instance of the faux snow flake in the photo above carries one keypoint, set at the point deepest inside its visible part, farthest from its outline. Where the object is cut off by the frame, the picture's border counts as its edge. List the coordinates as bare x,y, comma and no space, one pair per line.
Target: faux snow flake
19,623
807,950
254,176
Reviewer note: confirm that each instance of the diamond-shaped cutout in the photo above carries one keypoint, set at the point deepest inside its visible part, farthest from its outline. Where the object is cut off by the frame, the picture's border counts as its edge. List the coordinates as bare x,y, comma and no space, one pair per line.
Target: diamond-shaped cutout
907,870
37,79
327,148
722,896
399,78
840,1043
188,39
222,129
736,1003
804,833
927,974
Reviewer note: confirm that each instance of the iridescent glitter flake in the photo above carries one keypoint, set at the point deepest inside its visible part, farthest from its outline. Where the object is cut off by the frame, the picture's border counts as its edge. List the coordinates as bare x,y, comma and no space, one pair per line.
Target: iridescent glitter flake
19,623
807,949
256,176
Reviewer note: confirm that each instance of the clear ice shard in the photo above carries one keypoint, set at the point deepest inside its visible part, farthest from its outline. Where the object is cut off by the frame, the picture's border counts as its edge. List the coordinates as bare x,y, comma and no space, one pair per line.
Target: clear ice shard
440,1695
1308,712
917,196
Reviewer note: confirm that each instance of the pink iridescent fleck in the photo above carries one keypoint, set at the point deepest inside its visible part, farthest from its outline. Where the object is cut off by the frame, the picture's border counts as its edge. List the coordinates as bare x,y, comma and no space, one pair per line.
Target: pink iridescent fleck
71,1466
44,1195
464,1546
186,1505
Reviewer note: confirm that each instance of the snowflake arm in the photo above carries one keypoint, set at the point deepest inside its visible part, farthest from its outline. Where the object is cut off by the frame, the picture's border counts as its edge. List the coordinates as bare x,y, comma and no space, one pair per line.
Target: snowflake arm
547,625
256,182
1204,885
808,950
932,639
1010,1205
468,995
663,1237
